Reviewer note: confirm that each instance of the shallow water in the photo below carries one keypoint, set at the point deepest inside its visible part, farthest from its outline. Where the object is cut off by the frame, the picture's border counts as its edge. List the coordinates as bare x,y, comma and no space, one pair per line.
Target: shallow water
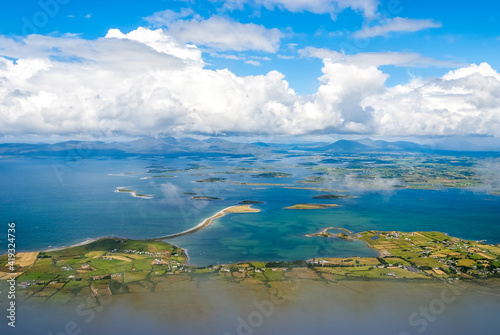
306,307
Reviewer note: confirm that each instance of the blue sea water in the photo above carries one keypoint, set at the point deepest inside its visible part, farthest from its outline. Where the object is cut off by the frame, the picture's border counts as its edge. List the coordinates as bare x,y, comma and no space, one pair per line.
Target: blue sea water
57,203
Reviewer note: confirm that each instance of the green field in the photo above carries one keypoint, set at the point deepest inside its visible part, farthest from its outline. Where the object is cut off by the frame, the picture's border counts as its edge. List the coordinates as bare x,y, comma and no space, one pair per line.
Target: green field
119,266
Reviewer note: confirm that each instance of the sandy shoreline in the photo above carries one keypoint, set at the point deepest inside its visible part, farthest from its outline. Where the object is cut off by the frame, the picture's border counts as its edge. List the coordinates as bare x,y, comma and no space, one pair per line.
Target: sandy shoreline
205,223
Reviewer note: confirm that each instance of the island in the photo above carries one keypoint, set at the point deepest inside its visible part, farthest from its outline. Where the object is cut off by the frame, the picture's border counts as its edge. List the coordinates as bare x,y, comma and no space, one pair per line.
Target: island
332,196
311,206
250,202
159,176
210,180
123,189
204,197
272,175
259,184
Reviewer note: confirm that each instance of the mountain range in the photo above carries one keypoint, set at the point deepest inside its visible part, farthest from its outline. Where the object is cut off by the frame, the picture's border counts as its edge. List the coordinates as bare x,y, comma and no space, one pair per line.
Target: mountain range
170,146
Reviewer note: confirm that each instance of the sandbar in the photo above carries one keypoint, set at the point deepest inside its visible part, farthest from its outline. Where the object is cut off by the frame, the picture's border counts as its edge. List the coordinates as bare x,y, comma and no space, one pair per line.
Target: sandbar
205,223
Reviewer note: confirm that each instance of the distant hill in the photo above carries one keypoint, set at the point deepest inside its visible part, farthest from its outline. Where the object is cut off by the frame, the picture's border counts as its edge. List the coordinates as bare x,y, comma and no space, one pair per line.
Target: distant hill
212,147
368,145
169,146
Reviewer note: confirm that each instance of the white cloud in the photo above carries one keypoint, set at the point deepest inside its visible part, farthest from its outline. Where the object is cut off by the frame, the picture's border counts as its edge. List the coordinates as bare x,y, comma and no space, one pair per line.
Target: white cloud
223,34
336,106
397,24
462,102
225,56
140,83
217,32
377,59
332,7
253,62
166,17
145,83
160,42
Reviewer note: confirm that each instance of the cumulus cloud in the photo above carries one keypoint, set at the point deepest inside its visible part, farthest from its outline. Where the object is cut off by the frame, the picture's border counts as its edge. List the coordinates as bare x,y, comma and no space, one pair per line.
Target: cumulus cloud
397,24
217,32
464,101
140,83
146,83
332,7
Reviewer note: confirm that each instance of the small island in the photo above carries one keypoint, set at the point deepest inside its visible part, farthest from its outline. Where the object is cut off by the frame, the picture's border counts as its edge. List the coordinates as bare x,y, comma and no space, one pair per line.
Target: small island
250,202
123,189
204,197
211,180
312,180
311,206
159,176
333,196
273,175
259,184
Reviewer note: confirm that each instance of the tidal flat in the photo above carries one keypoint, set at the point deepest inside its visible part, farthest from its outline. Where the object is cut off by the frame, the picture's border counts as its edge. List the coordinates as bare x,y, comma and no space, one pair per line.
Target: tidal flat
294,307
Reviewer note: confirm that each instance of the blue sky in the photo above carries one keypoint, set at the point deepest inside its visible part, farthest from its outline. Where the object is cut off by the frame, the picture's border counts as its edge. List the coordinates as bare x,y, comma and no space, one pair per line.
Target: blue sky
329,67
469,33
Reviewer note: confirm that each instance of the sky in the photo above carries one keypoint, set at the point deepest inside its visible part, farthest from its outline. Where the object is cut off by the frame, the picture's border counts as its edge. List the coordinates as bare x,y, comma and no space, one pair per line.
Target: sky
249,68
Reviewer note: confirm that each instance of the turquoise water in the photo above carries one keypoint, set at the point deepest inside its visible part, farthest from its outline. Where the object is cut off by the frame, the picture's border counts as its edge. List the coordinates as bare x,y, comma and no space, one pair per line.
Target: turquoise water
57,203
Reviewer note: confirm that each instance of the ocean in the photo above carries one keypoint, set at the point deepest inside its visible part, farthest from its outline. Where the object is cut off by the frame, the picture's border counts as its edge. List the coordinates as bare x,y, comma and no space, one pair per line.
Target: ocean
58,203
